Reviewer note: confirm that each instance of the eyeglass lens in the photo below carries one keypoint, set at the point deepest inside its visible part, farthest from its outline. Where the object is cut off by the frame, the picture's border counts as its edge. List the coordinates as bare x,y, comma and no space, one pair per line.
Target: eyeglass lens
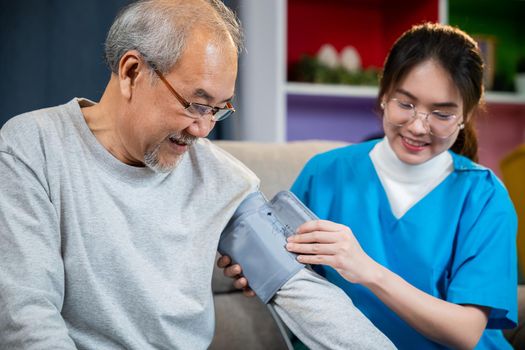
217,114
442,123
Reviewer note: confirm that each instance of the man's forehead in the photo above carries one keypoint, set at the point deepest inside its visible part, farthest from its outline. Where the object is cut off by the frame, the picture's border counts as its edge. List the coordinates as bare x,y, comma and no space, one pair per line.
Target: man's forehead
203,38
208,57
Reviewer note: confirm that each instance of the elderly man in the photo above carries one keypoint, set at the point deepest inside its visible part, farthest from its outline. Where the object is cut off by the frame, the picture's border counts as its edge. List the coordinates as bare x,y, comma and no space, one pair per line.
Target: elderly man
111,212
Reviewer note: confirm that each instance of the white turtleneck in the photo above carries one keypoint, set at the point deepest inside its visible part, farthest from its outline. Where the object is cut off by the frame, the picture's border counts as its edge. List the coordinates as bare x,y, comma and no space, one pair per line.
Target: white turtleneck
406,184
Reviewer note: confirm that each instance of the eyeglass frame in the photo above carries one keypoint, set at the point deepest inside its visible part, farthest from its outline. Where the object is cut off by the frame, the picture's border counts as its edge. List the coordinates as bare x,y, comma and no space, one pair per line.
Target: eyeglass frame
186,104
460,125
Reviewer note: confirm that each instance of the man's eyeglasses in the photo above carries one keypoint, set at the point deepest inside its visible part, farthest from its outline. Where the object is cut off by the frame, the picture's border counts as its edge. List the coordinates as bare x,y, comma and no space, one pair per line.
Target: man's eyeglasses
198,110
440,123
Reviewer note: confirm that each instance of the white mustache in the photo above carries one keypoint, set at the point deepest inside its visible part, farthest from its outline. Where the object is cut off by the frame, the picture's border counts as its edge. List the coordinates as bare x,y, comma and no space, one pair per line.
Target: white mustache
184,138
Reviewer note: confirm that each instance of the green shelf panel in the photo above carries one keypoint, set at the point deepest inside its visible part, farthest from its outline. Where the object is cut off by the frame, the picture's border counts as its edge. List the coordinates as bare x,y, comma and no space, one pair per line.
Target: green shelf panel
503,21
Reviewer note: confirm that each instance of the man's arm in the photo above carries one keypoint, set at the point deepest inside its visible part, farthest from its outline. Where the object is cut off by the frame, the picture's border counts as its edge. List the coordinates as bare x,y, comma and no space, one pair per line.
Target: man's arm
31,267
322,316
318,312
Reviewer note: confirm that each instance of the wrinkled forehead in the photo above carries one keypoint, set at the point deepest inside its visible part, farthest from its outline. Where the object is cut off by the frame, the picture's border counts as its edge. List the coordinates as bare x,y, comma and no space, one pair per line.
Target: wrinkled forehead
209,63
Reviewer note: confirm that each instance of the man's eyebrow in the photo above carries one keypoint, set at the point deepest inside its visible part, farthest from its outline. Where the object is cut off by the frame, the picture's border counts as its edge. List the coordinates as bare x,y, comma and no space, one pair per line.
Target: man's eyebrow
201,93
437,105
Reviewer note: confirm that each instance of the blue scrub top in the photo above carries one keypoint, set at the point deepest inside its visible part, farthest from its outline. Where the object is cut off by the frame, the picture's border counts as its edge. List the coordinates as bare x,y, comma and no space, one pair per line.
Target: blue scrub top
458,243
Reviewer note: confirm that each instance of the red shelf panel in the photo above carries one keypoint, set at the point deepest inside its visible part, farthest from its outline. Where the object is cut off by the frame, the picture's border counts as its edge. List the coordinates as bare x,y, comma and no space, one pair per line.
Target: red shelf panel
370,26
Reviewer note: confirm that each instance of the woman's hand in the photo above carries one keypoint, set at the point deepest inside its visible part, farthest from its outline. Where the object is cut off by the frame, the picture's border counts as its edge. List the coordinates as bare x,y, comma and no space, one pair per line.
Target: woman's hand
328,243
234,271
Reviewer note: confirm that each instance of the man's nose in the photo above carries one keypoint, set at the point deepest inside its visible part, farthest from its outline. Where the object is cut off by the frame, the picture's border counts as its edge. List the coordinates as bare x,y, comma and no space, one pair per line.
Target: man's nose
201,127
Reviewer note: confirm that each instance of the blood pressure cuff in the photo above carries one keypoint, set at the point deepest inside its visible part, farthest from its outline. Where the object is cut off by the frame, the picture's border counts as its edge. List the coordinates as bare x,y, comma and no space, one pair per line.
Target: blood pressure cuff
255,238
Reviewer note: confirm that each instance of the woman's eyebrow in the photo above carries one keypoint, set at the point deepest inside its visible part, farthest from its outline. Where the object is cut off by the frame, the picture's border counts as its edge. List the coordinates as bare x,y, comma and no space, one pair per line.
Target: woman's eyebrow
406,93
438,104
445,104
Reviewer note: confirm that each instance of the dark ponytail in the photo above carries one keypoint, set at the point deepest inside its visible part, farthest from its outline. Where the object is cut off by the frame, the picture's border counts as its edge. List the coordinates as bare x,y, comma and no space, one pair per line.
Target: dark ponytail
467,142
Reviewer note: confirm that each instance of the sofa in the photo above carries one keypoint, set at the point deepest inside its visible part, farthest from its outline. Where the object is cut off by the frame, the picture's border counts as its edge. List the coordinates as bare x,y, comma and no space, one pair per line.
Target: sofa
246,323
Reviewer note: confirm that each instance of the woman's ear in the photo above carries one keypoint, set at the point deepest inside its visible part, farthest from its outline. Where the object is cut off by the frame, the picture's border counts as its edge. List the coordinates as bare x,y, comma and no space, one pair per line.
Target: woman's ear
130,66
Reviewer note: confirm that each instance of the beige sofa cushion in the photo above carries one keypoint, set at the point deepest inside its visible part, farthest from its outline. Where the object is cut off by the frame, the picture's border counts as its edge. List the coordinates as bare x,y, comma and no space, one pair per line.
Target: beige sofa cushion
276,164
244,323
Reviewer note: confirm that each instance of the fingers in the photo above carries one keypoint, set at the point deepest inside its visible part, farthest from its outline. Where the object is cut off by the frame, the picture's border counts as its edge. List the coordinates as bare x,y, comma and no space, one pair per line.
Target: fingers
318,237
232,271
240,283
248,292
329,260
224,261
313,249
320,225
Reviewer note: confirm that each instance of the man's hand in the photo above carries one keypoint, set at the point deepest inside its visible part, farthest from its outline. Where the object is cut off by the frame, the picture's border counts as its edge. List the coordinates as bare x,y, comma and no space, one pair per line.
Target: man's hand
234,271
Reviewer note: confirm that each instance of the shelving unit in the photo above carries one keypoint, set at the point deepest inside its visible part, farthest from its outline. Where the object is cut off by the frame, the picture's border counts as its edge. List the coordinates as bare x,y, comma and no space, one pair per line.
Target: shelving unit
280,110
351,91
346,113
495,97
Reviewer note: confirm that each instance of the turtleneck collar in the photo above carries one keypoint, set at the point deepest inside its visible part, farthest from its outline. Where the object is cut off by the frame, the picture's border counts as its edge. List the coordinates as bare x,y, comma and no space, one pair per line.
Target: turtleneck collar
386,161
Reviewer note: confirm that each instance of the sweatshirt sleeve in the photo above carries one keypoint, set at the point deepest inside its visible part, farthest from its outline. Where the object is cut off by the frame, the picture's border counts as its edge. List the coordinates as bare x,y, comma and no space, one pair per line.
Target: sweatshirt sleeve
322,316
31,266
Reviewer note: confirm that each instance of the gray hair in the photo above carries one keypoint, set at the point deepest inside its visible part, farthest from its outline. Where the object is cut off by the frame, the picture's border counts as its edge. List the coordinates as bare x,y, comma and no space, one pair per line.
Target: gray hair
159,29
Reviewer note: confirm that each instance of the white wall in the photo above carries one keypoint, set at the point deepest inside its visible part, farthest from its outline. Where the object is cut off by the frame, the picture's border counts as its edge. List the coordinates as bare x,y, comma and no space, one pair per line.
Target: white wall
262,74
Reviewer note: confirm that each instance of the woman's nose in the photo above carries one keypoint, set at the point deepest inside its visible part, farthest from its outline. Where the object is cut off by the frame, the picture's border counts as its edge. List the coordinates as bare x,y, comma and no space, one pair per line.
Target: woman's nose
419,124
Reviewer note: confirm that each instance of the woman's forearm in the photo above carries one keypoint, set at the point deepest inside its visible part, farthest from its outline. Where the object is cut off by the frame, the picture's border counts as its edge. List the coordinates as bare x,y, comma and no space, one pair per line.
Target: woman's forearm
453,325
328,243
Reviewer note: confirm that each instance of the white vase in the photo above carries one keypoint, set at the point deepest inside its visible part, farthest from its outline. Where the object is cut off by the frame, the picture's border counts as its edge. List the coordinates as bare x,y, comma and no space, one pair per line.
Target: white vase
520,83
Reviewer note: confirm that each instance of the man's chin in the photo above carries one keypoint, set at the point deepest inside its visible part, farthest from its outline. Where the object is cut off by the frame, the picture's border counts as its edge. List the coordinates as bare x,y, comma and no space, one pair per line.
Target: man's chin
163,166
166,167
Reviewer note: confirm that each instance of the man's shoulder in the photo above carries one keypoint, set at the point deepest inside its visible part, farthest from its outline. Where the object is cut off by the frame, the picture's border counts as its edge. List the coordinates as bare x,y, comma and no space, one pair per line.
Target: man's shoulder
28,122
31,126
35,137
223,164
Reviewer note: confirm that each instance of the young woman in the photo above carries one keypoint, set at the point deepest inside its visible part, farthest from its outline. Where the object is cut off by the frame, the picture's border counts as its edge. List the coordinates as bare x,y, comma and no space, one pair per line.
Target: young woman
415,232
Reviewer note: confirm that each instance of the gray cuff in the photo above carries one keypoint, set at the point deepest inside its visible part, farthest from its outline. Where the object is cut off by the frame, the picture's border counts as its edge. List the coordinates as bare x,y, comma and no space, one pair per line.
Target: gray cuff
255,238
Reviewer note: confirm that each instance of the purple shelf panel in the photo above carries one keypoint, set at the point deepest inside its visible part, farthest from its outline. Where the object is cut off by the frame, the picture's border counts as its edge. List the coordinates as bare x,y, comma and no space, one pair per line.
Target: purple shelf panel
331,118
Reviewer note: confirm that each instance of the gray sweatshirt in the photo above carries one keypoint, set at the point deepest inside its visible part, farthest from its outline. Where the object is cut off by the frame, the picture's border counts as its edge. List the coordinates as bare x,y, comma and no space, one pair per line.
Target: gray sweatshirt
101,255
96,254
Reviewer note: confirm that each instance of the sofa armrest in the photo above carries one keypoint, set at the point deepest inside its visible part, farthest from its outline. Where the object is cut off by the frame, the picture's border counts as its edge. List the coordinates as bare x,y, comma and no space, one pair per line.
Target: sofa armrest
516,336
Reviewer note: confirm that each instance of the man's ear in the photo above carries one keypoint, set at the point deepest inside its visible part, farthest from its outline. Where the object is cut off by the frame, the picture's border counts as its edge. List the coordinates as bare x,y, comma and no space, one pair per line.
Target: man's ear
129,70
